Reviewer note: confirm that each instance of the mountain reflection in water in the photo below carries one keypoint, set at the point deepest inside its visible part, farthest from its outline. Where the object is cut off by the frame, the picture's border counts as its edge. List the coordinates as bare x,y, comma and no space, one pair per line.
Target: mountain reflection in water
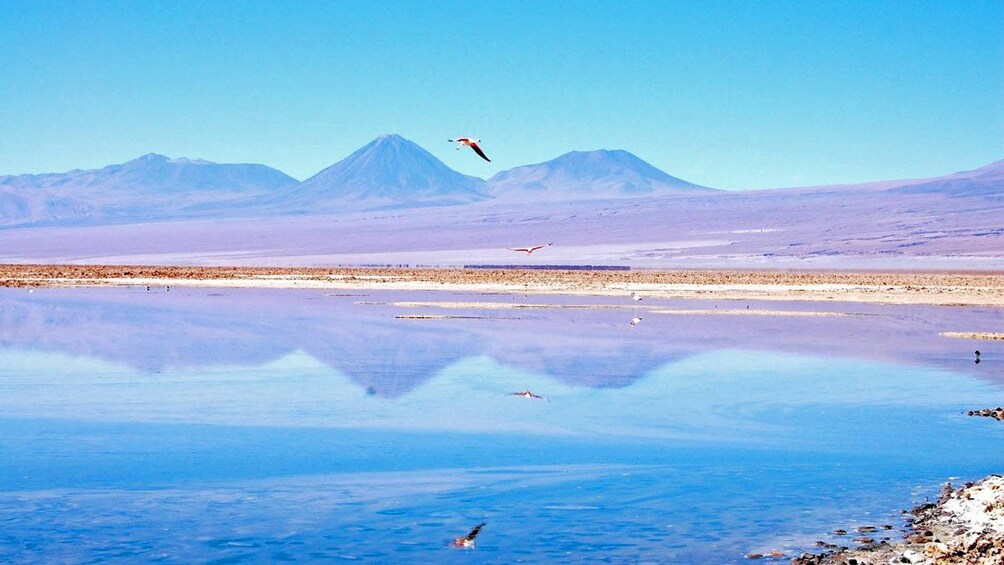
207,425
193,328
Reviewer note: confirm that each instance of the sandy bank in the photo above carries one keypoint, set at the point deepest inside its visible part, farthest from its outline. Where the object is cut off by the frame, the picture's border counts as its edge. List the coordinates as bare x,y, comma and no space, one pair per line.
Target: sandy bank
989,336
888,288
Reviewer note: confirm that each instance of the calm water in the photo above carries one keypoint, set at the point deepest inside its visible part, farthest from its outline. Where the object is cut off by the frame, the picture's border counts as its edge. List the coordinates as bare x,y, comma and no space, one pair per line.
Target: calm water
230,426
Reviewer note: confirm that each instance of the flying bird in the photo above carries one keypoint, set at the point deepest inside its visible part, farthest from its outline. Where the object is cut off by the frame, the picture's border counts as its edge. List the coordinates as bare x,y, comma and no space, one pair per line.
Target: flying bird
473,144
635,321
467,542
527,394
529,250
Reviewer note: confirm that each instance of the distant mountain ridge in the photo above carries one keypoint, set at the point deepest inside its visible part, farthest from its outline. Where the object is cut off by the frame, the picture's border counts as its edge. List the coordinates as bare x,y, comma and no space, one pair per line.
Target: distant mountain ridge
146,188
390,172
986,181
154,172
589,174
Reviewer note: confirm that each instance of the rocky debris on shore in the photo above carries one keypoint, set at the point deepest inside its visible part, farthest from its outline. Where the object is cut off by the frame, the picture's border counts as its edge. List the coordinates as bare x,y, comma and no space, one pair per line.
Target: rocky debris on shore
965,526
986,336
995,413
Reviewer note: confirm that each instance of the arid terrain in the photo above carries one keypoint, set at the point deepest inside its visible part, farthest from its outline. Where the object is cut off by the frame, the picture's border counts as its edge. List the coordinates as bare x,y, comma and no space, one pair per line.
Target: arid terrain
945,289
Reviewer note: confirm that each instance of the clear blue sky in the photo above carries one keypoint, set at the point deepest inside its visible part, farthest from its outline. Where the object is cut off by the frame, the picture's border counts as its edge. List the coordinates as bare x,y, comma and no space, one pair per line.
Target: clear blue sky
726,94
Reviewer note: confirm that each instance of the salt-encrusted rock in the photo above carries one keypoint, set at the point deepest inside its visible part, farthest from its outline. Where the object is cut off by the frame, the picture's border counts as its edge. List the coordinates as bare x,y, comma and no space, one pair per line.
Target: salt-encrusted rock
965,527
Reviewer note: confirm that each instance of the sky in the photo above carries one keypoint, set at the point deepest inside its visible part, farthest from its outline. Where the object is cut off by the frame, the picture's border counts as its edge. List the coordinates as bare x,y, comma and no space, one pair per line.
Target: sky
732,95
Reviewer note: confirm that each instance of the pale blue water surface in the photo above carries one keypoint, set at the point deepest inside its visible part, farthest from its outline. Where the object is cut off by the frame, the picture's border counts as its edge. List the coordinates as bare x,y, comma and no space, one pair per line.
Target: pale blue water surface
230,426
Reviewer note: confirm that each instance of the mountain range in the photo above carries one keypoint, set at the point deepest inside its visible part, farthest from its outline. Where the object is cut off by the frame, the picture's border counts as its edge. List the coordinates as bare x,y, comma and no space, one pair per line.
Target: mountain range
150,187
391,202
390,172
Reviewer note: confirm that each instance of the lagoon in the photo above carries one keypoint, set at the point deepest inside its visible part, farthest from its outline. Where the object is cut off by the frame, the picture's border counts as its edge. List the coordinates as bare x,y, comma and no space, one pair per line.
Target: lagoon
210,425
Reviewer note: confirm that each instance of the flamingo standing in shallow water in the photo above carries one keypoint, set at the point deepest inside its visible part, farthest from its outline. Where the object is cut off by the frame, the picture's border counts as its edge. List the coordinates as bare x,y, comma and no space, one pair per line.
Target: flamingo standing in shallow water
529,250
473,144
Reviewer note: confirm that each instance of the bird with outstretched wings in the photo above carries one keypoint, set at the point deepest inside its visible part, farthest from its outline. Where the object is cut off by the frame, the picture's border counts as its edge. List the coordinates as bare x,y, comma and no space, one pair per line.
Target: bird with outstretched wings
473,144
529,250
527,394
468,540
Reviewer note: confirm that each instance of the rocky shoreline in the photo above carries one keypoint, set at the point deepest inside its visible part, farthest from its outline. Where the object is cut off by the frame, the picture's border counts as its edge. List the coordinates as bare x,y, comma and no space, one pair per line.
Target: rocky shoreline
965,526
995,413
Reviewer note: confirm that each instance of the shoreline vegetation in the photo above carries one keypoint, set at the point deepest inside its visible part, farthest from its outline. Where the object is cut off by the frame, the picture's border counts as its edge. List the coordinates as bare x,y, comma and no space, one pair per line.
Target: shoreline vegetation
926,288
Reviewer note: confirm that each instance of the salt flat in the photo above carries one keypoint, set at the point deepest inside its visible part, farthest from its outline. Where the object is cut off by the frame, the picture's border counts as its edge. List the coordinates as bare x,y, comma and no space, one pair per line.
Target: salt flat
944,288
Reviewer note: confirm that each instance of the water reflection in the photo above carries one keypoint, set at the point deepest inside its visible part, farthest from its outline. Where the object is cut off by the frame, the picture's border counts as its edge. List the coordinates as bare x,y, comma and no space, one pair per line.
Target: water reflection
290,425
300,358
193,328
